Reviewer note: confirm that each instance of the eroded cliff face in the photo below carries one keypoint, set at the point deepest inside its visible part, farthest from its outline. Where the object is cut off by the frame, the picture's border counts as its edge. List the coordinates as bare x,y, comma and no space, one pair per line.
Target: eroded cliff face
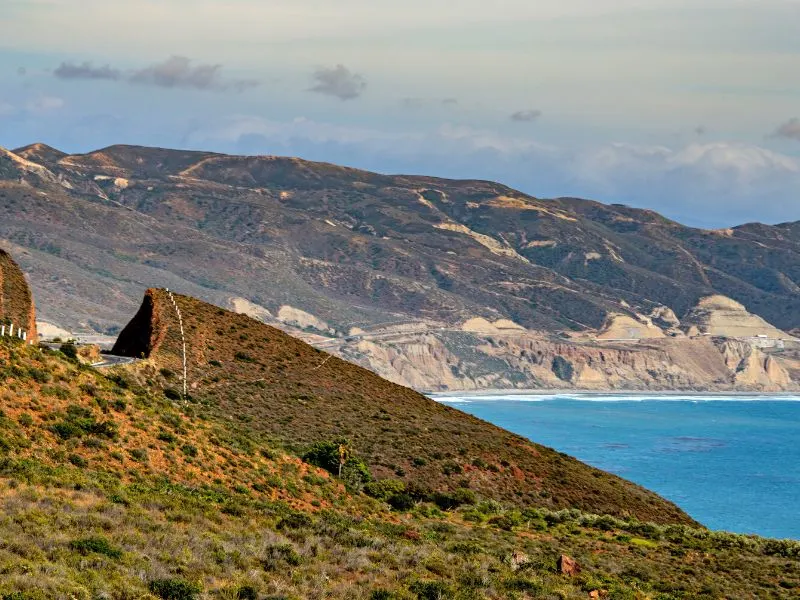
16,300
442,361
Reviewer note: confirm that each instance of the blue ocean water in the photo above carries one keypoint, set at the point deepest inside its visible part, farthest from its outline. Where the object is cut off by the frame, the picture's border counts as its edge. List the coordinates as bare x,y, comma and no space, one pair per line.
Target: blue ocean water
731,463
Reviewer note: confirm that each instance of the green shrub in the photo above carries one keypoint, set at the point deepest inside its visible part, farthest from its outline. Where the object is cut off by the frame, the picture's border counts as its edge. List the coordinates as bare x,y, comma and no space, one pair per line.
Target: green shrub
431,590
78,461
450,501
401,502
281,554
138,454
189,450
166,436
295,520
96,545
452,468
384,489
80,421
246,592
336,457
69,350
174,589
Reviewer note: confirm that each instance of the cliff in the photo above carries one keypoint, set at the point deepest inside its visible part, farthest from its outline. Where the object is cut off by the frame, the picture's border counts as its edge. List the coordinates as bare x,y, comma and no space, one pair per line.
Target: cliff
16,300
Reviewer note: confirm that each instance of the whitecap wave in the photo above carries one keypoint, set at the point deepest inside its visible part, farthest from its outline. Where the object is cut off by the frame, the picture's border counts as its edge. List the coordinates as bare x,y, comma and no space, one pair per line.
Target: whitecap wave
594,397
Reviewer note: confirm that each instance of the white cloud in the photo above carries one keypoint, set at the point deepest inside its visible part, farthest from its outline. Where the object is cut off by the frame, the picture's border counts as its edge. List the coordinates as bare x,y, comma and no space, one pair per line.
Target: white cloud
45,104
709,184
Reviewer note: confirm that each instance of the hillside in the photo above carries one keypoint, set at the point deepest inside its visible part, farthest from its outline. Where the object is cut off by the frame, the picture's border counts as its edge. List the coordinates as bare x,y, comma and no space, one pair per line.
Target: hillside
291,392
108,489
16,301
385,270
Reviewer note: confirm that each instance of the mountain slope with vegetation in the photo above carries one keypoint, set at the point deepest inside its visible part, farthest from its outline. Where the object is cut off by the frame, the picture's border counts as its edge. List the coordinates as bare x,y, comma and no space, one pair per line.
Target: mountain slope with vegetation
110,489
390,271
288,391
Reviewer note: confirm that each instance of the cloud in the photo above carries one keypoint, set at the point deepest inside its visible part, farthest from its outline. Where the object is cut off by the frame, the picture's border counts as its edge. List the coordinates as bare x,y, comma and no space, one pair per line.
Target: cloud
338,82
789,130
86,70
416,103
701,130
44,104
526,116
22,71
174,72
708,184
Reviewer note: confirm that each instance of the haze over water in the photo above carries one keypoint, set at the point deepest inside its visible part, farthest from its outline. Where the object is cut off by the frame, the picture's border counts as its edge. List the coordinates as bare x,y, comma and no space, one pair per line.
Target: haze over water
732,463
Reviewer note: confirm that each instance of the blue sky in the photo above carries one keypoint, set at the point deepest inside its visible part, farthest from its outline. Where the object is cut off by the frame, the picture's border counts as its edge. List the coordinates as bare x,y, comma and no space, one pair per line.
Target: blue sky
689,108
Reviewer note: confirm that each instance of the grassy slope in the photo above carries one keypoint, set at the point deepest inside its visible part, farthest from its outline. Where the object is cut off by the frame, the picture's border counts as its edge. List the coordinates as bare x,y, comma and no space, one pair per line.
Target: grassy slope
283,388
101,496
16,302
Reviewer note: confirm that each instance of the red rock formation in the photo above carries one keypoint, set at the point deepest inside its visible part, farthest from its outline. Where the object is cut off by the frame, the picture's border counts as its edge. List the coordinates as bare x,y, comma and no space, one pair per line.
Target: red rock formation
16,299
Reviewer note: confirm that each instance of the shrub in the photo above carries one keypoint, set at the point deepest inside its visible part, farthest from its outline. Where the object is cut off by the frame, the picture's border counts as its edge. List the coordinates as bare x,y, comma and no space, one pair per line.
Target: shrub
69,350
40,375
246,592
166,436
384,489
282,554
452,467
80,421
336,457
138,454
78,461
295,520
431,590
189,450
449,501
174,589
401,502
172,394
96,545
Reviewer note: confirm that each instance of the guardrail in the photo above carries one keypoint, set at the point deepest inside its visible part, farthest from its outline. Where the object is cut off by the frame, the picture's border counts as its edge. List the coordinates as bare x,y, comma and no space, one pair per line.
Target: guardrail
10,331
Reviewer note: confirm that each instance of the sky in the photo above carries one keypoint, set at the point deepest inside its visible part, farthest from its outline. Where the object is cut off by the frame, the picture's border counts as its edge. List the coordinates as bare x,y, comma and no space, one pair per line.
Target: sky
690,108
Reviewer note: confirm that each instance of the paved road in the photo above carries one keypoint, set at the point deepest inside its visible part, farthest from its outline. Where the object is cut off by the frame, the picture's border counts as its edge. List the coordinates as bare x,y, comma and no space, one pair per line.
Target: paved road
109,360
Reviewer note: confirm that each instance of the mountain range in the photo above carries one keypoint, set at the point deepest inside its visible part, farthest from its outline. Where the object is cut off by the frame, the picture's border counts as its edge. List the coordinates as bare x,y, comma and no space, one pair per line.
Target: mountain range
433,283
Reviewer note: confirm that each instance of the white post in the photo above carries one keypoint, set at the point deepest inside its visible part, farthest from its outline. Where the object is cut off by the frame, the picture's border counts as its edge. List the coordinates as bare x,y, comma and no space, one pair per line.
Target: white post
3,331
11,331
24,336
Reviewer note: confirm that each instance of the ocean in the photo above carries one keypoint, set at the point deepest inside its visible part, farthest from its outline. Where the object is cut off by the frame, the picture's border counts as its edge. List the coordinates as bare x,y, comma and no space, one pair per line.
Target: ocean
732,463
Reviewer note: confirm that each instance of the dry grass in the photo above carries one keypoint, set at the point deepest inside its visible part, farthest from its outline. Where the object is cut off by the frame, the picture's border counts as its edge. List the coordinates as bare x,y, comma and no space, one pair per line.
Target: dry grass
114,525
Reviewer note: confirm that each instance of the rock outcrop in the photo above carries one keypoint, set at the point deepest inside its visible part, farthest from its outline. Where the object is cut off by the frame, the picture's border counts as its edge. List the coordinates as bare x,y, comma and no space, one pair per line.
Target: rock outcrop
16,300
723,317
445,361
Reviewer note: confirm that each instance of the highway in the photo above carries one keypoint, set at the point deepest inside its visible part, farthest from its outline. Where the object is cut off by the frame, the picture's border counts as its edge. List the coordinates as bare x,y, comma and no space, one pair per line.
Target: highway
109,360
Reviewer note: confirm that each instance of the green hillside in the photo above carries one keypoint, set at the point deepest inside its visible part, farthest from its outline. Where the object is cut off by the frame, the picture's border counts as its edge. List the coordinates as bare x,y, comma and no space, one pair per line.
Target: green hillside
109,489
280,387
